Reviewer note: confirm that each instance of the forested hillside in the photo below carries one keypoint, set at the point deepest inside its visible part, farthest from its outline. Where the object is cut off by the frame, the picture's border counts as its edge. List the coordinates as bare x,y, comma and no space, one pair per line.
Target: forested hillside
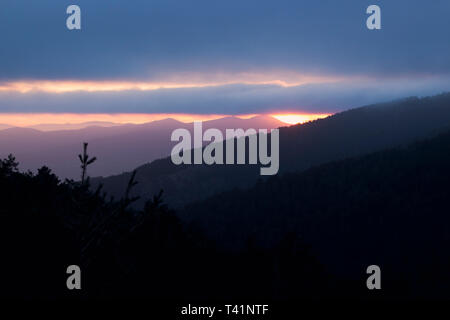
308,235
347,134
389,208
48,225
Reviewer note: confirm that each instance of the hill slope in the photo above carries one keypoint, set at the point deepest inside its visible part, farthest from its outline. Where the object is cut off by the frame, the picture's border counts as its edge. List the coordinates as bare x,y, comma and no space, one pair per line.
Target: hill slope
389,208
119,148
347,134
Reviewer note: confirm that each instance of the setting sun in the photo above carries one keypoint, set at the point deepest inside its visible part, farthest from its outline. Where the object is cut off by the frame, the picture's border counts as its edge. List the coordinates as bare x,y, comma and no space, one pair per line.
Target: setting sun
292,118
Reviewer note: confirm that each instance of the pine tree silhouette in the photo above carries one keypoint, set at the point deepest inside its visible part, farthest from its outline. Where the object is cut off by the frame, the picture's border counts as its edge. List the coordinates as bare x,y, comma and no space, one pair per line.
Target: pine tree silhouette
85,162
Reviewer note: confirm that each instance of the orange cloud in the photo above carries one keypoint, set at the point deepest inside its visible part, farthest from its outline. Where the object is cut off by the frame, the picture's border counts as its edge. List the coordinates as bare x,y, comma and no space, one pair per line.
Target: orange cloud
182,80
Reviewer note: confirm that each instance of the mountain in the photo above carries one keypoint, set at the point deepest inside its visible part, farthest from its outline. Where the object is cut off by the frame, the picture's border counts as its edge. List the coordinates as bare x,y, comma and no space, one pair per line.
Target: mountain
308,235
72,126
256,122
388,208
4,126
118,148
347,134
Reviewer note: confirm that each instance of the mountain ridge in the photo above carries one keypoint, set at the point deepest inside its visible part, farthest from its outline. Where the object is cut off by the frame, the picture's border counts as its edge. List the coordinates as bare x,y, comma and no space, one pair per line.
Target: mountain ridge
120,148
347,134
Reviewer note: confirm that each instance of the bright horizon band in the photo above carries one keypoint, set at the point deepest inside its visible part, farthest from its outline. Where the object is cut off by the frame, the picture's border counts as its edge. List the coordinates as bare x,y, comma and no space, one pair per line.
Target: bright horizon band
30,119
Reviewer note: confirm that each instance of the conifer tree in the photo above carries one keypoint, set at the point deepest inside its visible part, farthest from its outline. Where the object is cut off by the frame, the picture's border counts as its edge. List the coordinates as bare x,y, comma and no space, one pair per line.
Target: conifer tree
85,162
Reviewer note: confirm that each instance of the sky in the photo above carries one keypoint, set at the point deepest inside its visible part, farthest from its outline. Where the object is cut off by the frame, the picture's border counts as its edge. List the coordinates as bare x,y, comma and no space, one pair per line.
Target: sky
209,57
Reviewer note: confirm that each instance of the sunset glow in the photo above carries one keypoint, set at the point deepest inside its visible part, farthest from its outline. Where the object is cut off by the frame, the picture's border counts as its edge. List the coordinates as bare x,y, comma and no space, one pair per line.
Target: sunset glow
31,119
299,118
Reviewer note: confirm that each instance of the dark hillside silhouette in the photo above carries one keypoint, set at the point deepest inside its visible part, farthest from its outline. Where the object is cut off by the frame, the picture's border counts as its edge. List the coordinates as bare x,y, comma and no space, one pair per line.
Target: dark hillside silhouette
308,235
389,208
346,134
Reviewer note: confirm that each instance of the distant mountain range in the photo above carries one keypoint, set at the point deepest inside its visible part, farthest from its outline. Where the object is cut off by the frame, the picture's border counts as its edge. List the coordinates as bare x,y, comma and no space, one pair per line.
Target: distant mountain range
4,126
73,126
119,148
65,126
347,134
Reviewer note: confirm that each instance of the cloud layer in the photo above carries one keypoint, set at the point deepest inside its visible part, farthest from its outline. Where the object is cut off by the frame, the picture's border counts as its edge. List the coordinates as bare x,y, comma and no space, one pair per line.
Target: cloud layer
199,41
228,99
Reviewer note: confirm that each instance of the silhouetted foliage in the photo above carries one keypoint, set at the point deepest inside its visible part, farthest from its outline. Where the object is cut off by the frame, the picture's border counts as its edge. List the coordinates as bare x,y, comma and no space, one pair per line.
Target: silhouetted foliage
85,161
48,224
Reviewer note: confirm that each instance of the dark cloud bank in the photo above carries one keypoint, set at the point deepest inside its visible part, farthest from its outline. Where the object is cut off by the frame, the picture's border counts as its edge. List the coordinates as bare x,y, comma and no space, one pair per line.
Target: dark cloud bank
148,40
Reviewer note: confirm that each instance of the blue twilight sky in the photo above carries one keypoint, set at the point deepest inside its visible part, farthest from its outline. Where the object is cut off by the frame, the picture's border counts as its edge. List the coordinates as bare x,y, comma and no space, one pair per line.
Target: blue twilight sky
226,57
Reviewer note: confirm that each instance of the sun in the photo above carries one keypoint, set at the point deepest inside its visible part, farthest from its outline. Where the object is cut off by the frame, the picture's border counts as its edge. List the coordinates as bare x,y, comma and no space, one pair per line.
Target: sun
295,118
